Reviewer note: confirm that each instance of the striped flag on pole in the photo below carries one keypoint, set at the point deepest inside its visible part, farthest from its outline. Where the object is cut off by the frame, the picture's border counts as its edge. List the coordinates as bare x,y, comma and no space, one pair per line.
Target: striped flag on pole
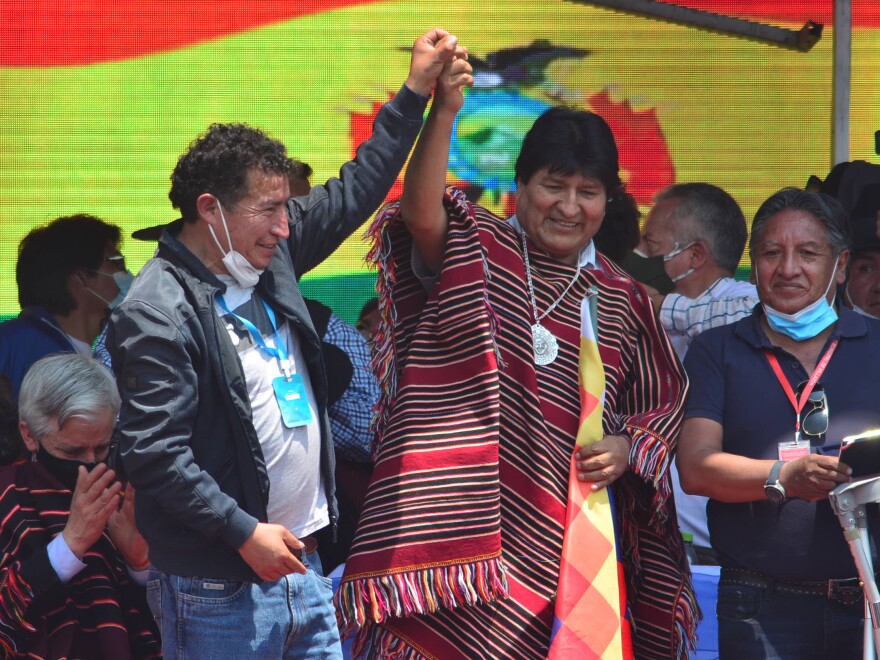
591,598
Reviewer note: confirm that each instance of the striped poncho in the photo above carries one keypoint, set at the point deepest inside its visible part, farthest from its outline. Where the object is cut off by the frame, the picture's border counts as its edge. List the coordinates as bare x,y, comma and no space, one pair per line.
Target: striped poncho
458,549
99,614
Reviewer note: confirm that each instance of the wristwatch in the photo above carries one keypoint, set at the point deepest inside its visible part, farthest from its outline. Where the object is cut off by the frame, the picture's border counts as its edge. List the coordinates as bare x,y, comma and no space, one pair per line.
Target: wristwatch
773,489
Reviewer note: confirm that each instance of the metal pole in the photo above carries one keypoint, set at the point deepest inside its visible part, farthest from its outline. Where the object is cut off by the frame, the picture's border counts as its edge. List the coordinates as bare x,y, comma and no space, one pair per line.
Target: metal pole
869,643
803,39
841,80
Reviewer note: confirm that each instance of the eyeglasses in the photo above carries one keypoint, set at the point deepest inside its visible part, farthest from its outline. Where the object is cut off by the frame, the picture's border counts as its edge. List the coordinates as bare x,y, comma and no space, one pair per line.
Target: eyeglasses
117,260
814,416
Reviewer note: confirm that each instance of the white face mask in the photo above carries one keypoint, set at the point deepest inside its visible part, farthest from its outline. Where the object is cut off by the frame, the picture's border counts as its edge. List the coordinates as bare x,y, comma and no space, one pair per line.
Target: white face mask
675,252
856,308
238,267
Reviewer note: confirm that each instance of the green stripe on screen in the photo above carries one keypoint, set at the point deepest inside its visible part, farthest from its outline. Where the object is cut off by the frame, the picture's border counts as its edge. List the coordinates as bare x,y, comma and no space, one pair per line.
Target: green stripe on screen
345,295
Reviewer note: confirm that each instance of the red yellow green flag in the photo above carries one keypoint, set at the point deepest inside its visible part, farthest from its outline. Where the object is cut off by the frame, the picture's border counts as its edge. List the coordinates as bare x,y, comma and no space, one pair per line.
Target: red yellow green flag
590,619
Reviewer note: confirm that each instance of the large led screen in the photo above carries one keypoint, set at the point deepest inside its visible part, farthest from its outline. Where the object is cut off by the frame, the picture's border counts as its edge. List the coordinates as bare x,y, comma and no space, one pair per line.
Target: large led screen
100,98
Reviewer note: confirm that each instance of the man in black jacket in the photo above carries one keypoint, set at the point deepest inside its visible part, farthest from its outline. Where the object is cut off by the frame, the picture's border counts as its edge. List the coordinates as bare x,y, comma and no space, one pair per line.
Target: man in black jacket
223,428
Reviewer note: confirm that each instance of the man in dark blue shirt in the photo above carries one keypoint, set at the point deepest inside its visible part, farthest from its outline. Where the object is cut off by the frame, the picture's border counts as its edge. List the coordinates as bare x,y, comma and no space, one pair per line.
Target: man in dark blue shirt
766,392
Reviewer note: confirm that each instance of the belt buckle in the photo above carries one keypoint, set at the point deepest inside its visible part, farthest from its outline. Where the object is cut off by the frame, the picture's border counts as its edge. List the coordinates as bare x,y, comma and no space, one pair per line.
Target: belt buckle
846,592
310,544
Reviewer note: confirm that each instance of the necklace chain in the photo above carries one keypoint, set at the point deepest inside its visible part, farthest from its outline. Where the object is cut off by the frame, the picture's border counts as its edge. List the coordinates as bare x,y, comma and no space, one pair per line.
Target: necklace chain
538,319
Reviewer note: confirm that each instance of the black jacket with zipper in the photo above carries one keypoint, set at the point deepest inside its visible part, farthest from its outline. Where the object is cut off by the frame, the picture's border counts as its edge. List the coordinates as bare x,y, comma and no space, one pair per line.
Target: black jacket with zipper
185,433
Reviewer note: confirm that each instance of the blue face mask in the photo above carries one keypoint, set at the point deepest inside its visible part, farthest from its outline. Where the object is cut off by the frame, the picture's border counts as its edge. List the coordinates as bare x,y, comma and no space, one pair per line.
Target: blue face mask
123,282
808,322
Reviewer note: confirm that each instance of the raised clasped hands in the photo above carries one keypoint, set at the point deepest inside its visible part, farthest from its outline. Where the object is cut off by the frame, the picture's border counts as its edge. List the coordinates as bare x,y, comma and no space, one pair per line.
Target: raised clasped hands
604,461
95,498
124,533
430,53
457,73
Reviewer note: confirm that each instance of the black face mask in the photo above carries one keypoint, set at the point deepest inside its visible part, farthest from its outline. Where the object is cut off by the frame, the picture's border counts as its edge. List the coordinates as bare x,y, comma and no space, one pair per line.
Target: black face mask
648,270
63,469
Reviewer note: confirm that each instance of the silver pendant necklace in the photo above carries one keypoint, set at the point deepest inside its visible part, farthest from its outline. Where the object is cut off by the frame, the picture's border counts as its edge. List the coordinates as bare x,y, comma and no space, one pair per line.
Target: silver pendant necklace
544,343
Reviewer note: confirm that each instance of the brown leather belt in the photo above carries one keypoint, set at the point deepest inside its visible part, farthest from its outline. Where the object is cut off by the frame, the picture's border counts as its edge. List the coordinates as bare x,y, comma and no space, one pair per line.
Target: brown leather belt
846,592
310,544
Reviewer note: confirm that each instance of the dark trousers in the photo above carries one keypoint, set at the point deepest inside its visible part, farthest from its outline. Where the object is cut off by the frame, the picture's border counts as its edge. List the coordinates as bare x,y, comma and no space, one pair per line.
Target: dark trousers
756,622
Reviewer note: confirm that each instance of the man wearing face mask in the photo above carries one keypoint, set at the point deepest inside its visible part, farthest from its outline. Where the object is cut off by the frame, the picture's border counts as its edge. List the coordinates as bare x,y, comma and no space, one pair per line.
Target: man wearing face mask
700,232
73,563
767,392
224,428
69,273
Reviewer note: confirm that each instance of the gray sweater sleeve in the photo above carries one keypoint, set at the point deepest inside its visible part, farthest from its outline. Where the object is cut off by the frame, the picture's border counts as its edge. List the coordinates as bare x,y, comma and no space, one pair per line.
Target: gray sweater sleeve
320,222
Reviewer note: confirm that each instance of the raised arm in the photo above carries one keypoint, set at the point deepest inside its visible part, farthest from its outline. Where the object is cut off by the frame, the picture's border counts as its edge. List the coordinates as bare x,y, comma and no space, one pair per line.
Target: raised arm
421,205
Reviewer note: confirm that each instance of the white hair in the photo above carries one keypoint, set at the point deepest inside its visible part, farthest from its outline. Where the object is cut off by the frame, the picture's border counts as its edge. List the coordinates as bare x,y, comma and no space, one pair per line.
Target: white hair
59,387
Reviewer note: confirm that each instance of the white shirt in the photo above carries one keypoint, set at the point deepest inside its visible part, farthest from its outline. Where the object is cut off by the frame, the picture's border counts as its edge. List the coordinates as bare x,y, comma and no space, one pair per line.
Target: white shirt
297,499
725,301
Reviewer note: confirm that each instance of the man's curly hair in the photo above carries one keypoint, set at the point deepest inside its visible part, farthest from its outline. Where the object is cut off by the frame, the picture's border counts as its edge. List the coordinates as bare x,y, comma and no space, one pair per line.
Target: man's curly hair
218,162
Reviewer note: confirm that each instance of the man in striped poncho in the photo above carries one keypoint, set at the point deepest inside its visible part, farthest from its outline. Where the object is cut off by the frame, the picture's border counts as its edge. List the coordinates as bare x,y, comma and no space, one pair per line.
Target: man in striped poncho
458,550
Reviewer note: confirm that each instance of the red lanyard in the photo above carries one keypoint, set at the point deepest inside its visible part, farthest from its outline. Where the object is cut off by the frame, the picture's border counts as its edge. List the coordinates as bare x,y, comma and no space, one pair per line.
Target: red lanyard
808,389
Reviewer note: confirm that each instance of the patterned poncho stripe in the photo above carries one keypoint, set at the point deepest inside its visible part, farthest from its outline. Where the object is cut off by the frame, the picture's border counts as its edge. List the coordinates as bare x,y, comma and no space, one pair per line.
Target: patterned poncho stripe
465,514
100,613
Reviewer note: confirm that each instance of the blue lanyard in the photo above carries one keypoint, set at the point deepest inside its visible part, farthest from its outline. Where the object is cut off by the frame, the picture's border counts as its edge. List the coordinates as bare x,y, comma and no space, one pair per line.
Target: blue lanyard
279,353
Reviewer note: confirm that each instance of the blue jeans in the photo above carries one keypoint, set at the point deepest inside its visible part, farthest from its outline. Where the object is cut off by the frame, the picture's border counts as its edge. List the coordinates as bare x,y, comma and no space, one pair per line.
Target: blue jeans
213,618
756,623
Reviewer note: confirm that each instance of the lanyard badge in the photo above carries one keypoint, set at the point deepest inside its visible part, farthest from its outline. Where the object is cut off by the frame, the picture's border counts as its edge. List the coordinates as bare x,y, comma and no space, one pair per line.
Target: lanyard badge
789,451
289,388
290,393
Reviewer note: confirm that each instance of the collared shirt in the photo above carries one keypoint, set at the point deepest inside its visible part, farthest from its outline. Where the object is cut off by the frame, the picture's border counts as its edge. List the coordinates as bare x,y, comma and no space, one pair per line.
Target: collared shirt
733,384
32,335
725,301
352,415
65,563
587,257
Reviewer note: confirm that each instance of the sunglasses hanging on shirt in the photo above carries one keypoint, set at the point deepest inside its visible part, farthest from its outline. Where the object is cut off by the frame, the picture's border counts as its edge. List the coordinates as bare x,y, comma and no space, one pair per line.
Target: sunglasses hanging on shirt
814,416
810,406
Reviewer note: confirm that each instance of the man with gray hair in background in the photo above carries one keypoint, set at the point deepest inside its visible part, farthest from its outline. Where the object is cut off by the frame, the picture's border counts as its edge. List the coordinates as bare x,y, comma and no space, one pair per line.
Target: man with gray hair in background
73,563
700,232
